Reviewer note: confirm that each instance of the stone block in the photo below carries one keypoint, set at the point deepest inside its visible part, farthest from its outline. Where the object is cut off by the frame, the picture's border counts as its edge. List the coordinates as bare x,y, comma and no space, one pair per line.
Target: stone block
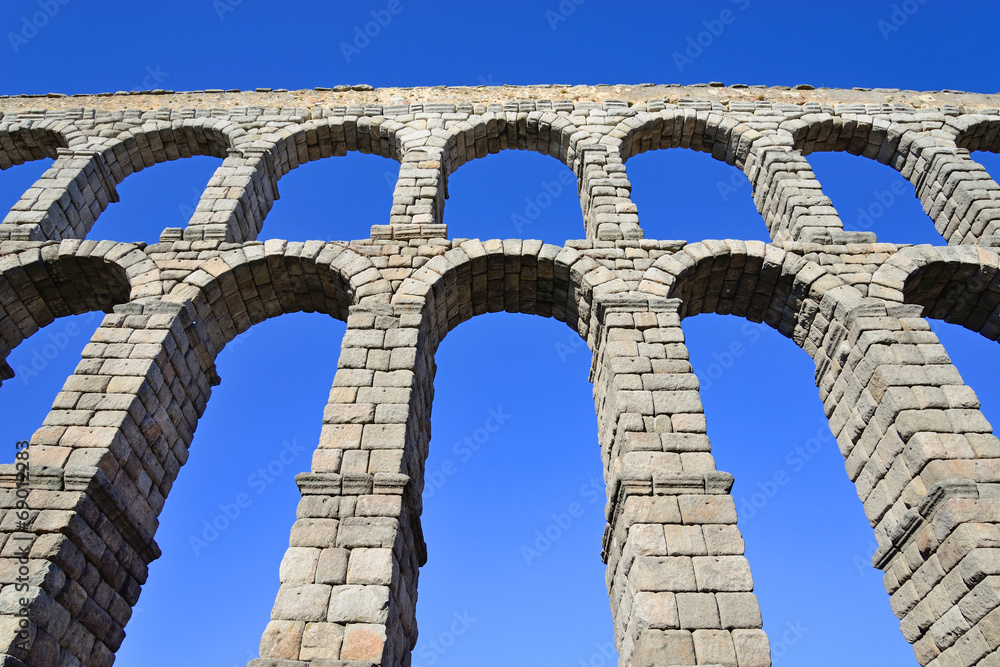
752,648
321,641
307,602
714,647
281,639
722,573
358,604
654,610
697,611
653,647
739,610
371,566
363,642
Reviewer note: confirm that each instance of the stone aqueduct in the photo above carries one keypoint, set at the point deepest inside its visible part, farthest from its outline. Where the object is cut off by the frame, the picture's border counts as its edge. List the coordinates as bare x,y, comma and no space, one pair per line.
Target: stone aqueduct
77,534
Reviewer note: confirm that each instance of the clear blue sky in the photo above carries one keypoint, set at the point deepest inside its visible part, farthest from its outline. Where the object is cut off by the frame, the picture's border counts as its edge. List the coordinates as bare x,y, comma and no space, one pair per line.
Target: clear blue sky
809,545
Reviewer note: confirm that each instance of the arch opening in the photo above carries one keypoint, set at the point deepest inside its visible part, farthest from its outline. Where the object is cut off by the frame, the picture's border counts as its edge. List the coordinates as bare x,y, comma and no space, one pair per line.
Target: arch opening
990,160
523,574
538,199
156,198
225,527
40,367
776,441
873,198
317,186
15,181
673,188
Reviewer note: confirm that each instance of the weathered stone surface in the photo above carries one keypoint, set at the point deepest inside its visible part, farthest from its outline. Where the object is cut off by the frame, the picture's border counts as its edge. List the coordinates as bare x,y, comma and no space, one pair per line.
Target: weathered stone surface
922,456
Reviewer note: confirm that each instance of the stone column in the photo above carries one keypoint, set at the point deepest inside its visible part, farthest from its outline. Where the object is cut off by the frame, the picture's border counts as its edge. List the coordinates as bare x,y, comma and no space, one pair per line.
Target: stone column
925,464
75,552
956,192
238,198
791,200
65,202
349,577
681,590
606,195
418,200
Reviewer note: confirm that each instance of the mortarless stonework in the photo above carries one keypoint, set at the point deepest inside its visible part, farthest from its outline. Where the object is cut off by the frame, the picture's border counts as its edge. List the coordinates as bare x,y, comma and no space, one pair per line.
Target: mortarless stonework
923,457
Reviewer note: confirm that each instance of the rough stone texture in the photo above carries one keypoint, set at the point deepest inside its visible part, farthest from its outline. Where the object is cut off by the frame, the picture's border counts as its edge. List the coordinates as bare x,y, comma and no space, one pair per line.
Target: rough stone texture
80,531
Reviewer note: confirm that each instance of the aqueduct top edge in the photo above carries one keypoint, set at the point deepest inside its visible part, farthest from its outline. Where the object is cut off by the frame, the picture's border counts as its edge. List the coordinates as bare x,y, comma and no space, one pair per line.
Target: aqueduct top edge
637,96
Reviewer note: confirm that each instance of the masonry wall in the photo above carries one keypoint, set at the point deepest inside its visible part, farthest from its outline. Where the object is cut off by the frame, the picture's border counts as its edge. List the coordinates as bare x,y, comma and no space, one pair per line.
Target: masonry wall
78,525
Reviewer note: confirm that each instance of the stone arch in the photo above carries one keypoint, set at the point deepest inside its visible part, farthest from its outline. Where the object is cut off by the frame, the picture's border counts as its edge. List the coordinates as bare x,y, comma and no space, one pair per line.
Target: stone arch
975,132
242,287
156,141
929,150
514,276
750,279
723,137
544,132
54,209
874,137
243,190
42,284
785,190
874,360
833,323
139,402
960,285
294,144
25,140
603,186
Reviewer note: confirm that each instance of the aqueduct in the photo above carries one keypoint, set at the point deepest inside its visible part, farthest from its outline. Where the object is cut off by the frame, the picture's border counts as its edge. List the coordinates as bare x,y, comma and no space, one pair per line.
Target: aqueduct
79,520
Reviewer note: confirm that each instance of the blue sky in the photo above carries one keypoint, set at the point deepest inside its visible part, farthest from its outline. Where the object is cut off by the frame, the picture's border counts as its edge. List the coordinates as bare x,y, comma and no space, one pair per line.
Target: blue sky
809,544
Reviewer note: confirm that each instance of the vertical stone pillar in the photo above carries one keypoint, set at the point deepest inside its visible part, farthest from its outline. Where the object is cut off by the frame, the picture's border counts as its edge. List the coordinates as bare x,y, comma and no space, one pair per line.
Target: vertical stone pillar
65,202
238,198
925,464
606,195
418,200
349,577
681,590
74,553
791,200
956,192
